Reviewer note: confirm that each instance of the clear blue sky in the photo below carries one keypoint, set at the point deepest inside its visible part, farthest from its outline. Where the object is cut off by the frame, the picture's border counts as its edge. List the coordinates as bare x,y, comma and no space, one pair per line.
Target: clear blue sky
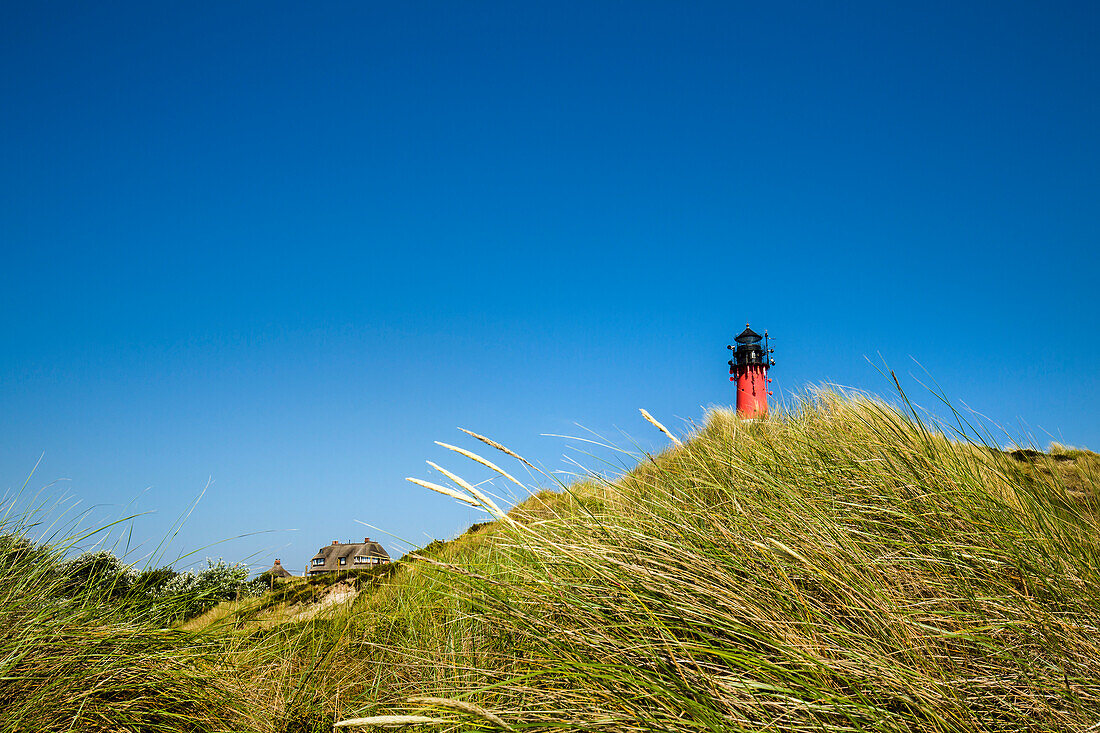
289,245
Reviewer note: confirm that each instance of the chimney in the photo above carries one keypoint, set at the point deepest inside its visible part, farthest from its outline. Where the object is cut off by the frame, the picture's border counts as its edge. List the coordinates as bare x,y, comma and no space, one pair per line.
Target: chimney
277,561
366,539
335,542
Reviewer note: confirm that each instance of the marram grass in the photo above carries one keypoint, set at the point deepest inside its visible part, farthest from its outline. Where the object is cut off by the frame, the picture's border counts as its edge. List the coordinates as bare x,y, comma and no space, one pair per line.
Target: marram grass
81,661
842,566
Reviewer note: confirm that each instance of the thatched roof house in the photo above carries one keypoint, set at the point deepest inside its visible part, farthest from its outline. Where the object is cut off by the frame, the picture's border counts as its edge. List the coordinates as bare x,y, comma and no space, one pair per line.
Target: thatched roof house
278,571
347,556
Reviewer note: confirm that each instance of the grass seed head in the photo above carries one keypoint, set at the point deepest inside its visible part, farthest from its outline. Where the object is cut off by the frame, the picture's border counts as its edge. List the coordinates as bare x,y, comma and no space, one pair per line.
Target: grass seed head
659,426
478,459
489,505
444,490
493,444
389,721
462,705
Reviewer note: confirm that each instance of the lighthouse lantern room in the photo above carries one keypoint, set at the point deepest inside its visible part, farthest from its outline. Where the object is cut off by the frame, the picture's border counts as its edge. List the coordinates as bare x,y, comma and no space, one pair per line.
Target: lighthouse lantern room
749,369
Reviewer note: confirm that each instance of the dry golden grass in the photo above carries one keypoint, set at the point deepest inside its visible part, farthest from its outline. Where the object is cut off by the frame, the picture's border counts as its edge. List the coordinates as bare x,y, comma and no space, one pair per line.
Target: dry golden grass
844,566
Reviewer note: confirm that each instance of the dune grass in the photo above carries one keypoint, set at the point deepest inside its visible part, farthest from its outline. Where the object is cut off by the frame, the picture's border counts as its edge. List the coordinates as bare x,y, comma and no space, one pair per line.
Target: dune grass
85,661
842,566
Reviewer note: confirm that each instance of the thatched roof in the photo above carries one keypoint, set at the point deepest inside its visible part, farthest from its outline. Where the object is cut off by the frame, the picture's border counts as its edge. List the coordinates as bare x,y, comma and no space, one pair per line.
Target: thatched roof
278,571
348,556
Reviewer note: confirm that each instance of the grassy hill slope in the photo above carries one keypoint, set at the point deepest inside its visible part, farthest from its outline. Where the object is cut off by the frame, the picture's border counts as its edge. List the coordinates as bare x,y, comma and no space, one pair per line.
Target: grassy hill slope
843,567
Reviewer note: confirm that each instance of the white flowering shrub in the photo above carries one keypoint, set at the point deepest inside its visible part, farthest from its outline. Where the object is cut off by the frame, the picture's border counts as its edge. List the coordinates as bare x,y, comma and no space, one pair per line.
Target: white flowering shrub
197,591
98,572
256,587
155,592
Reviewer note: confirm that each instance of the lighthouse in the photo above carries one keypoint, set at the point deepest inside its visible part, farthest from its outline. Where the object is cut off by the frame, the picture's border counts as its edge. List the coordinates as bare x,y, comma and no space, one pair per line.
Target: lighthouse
749,369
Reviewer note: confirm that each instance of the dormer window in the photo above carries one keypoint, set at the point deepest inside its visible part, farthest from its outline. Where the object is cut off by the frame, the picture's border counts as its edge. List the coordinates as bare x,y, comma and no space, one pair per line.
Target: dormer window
343,561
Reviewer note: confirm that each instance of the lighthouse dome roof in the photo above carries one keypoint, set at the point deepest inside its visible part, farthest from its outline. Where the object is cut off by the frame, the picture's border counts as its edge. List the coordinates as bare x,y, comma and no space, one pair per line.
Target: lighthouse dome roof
748,336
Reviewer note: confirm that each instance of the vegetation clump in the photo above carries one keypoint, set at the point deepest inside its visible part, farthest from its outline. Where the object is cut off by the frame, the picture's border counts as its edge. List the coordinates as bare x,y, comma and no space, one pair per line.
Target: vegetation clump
844,566
85,645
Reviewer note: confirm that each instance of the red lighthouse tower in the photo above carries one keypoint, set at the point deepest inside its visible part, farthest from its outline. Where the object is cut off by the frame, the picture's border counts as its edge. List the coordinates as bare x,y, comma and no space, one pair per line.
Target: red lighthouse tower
749,368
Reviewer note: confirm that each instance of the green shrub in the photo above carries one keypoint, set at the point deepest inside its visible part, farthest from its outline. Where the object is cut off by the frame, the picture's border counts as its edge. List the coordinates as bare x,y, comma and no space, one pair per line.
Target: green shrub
98,573
195,592
74,654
